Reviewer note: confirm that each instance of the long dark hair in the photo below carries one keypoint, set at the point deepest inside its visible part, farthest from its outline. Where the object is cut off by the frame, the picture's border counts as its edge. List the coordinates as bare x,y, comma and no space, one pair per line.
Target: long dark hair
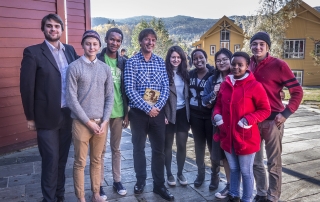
182,68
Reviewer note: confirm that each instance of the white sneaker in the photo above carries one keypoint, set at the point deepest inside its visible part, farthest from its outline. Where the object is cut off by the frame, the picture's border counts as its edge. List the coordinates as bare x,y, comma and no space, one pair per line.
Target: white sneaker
182,180
171,181
224,192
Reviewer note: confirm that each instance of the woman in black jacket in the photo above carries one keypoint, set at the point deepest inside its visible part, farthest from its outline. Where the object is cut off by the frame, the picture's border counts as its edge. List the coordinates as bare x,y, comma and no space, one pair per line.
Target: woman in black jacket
200,115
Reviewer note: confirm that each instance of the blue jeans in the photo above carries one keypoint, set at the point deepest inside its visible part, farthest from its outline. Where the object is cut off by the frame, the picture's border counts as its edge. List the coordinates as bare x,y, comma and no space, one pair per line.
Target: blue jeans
241,164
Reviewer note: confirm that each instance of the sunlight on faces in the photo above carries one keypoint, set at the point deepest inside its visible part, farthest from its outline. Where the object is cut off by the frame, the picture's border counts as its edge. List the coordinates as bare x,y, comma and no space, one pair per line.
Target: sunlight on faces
259,48
223,63
175,59
113,41
239,67
52,30
148,43
199,60
91,46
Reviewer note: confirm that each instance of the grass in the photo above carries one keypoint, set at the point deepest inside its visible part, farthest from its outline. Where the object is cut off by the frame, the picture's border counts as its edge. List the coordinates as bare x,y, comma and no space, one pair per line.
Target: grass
310,96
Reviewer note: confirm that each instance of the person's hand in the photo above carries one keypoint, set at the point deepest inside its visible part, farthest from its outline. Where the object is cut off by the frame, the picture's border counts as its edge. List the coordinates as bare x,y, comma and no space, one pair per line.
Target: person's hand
244,121
31,125
166,121
103,128
279,120
209,106
154,112
93,126
125,121
216,88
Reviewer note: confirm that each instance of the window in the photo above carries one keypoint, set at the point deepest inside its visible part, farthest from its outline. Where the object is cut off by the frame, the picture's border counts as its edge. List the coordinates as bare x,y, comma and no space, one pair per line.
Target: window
225,35
317,49
224,38
224,45
212,49
294,48
299,75
237,47
198,46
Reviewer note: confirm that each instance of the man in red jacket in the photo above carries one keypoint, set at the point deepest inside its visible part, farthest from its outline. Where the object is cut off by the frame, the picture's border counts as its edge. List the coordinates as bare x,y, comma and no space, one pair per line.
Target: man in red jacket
273,74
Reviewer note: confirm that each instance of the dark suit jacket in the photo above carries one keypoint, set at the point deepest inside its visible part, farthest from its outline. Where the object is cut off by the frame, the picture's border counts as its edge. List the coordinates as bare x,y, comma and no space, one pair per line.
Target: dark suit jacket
40,84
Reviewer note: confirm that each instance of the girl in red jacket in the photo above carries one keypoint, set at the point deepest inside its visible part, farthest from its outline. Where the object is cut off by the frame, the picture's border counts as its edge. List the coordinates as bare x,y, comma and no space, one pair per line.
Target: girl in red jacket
241,104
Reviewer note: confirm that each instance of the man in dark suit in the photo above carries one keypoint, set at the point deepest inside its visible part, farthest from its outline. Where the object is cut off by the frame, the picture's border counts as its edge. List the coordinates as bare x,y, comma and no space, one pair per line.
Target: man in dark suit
43,87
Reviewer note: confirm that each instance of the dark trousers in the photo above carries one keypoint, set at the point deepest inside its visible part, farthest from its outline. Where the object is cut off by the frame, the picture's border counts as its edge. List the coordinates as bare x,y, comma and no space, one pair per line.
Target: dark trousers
54,148
181,142
202,135
142,125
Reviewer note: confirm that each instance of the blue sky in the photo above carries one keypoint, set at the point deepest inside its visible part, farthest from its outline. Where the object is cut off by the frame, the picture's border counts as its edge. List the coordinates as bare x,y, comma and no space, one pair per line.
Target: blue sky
214,9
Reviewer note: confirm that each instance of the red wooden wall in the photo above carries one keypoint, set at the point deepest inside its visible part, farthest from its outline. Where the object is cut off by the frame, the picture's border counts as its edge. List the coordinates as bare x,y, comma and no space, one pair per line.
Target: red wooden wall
20,27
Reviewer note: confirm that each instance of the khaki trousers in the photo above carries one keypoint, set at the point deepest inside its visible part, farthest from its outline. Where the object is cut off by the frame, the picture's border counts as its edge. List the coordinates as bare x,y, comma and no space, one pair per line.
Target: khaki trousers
115,125
82,138
272,136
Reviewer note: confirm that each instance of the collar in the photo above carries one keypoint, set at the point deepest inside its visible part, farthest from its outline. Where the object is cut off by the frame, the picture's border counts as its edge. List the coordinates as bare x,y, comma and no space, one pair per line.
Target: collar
233,80
86,60
141,57
52,48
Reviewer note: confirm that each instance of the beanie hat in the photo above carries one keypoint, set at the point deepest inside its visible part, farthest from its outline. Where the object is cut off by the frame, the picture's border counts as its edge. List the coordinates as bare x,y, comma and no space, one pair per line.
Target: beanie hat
264,36
90,33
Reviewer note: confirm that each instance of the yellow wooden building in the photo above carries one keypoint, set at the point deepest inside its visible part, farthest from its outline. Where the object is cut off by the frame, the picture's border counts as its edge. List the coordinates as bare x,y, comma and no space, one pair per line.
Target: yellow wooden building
297,45
223,34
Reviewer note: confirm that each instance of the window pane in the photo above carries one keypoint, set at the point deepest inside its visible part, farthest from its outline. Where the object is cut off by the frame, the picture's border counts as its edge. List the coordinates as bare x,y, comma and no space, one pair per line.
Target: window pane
227,36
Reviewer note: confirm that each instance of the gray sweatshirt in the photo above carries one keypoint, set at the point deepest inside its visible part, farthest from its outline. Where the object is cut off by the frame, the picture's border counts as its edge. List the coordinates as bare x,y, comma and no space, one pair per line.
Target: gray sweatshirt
89,90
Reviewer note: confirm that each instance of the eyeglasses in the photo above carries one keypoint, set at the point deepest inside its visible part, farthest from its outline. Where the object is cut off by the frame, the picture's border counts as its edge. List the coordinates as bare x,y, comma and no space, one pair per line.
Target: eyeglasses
222,61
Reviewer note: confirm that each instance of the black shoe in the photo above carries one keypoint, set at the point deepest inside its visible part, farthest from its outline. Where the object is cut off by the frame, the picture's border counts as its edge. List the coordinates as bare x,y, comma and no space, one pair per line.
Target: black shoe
199,180
233,199
102,193
214,184
139,187
258,198
163,192
60,199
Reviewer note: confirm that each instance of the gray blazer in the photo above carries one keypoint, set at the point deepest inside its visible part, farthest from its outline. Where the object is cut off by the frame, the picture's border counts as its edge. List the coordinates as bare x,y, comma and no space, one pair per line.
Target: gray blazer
170,109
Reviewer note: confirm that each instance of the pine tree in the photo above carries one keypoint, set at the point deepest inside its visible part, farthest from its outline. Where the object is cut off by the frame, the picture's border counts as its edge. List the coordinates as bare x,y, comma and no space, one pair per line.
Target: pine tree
273,17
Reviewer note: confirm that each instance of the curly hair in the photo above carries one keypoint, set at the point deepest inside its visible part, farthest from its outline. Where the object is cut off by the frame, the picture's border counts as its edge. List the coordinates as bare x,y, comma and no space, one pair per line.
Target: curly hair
182,68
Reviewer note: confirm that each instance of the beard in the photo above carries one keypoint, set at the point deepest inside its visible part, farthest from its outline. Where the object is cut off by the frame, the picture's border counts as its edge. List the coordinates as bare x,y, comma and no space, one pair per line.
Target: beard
50,39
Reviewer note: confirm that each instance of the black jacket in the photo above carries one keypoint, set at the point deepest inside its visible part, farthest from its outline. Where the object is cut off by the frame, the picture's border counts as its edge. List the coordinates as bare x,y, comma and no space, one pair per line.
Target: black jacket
121,62
40,85
195,93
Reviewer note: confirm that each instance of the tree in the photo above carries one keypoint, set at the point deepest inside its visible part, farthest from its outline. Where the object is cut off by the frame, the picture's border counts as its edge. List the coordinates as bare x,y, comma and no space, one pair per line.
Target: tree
273,17
163,40
315,55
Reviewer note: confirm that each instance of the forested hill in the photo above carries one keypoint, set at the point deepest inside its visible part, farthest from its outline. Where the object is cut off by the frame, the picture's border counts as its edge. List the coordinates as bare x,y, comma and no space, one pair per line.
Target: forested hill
182,26
185,27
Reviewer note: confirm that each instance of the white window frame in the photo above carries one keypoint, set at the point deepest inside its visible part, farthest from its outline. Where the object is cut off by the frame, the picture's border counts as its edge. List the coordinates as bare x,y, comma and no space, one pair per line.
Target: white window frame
237,47
293,49
225,44
225,33
212,49
299,75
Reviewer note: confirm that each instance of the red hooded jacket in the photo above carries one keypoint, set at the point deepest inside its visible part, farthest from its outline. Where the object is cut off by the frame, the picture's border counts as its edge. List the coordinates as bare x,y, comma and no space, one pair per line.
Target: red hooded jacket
246,98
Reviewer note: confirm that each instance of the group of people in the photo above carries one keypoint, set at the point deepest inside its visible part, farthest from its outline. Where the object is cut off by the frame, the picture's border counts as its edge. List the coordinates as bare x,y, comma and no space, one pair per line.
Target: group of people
234,109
